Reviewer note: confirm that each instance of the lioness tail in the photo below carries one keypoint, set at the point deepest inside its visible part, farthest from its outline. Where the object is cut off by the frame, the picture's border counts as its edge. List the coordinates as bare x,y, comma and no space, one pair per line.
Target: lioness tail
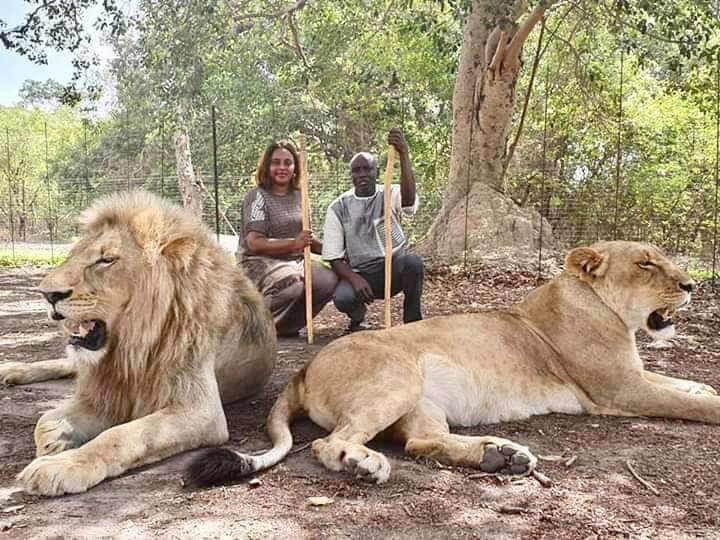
217,466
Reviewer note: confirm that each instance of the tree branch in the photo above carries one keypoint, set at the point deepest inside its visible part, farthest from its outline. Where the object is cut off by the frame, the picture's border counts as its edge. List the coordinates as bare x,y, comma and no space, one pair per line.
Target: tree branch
495,66
517,41
560,22
296,40
533,72
297,6
20,30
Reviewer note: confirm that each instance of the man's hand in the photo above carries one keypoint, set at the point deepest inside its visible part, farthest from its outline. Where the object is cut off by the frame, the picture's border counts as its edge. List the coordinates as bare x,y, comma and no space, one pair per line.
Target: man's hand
304,238
397,139
362,288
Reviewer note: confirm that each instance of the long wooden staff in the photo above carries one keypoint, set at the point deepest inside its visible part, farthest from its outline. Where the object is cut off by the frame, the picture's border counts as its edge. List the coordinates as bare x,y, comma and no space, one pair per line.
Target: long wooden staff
387,200
305,201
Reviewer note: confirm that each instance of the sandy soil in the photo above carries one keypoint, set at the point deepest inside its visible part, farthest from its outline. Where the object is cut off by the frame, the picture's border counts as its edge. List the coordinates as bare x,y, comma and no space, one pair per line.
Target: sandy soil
593,497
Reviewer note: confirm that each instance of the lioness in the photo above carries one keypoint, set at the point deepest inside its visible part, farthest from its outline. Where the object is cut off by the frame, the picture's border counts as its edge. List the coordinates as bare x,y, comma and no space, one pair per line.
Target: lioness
162,327
569,347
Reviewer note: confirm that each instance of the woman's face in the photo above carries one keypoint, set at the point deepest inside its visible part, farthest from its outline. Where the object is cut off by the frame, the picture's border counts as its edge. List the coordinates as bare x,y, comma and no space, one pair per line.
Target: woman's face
282,167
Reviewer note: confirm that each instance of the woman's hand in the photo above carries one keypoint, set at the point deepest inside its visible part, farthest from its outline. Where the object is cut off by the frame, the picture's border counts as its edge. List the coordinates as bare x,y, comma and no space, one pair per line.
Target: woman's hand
304,238
258,244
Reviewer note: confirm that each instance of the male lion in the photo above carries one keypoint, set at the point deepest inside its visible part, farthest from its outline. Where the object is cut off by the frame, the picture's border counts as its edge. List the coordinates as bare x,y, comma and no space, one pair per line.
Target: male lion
569,347
162,327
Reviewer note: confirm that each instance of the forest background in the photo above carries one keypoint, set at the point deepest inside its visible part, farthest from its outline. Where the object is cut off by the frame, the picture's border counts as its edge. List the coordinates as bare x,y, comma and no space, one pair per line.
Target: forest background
614,117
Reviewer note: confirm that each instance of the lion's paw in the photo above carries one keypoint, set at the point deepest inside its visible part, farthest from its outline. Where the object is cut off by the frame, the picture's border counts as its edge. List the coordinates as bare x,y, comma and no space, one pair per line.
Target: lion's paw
69,472
12,373
53,436
509,458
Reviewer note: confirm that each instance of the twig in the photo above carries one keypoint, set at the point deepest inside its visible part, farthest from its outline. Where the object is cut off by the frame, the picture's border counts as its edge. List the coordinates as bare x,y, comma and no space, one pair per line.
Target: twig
476,476
570,461
407,511
543,480
511,510
640,479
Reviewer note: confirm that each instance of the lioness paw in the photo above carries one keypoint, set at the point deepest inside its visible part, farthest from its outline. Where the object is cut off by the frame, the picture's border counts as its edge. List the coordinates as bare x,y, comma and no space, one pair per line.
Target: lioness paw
339,455
366,464
69,472
12,373
509,458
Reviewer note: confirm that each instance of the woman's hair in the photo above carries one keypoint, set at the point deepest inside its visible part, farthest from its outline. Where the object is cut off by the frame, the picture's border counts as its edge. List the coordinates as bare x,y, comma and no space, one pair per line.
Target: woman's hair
263,169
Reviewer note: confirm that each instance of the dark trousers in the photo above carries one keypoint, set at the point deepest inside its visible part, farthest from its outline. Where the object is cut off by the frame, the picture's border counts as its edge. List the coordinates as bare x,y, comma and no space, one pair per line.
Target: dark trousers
407,276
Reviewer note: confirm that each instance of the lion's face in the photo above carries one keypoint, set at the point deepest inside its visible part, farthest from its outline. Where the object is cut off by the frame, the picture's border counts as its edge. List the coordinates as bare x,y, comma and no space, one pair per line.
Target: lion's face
637,281
89,290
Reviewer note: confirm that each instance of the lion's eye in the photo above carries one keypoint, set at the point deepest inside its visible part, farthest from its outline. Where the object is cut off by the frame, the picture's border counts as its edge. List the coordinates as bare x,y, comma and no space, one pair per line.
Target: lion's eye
647,265
106,261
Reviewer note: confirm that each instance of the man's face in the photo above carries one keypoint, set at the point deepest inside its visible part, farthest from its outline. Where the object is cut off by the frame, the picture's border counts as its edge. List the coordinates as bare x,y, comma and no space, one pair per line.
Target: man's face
363,171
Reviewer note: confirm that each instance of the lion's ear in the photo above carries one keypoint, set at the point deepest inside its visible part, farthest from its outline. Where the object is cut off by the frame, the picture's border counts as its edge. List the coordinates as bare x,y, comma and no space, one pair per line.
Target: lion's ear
584,262
156,237
147,228
180,249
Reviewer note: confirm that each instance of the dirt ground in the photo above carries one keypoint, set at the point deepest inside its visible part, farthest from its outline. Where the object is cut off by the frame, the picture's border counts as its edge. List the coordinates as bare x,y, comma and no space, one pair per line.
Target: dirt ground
593,495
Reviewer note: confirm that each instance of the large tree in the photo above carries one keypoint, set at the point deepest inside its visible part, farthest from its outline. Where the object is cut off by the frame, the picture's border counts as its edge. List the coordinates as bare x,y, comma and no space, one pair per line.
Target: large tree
477,214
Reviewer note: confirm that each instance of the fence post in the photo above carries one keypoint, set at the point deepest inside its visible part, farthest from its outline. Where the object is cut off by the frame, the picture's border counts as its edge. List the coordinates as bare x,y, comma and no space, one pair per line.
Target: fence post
215,174
86,172
162,156
544,174
717,166
619,142
127,148
10,193
49,193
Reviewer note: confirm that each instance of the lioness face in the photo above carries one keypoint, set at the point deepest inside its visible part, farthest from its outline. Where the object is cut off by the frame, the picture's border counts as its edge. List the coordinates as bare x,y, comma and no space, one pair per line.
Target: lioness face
637,281
88,291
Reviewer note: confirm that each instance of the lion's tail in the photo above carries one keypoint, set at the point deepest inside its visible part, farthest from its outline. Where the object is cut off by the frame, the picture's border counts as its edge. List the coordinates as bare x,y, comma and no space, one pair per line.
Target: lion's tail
217,466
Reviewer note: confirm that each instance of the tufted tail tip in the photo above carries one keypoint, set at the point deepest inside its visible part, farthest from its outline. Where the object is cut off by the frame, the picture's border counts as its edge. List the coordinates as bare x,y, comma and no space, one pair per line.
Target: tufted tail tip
217,466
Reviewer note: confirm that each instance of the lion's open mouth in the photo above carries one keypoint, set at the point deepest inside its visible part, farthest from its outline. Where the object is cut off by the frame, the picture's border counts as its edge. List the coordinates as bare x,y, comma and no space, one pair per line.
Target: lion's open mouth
660,319
90,335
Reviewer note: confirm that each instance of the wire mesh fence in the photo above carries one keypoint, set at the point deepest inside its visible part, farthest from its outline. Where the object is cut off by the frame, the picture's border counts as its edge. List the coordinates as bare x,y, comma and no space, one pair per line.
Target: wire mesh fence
39,208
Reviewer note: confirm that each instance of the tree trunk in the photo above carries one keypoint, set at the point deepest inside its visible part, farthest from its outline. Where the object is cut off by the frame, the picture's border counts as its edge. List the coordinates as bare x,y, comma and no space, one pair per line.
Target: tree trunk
190,188
483,103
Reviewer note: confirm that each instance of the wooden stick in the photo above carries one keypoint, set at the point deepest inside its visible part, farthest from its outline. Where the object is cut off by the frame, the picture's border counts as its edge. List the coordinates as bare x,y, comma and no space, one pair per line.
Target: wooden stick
305,201
639,479
387,195
542,479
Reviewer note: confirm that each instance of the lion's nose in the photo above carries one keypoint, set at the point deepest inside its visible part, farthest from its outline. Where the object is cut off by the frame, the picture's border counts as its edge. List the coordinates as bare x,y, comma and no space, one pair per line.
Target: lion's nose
687,287
55,296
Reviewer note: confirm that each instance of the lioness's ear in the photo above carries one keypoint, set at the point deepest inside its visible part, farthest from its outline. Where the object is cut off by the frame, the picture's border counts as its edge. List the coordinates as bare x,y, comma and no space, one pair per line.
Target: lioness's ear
586,262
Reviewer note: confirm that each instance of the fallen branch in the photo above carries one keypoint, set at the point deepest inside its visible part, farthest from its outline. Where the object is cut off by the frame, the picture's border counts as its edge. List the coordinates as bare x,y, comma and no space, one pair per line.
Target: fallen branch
543,480
640,479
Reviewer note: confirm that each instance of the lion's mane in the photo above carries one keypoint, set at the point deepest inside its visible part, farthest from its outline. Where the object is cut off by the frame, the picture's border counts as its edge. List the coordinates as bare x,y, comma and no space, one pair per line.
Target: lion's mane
185,292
